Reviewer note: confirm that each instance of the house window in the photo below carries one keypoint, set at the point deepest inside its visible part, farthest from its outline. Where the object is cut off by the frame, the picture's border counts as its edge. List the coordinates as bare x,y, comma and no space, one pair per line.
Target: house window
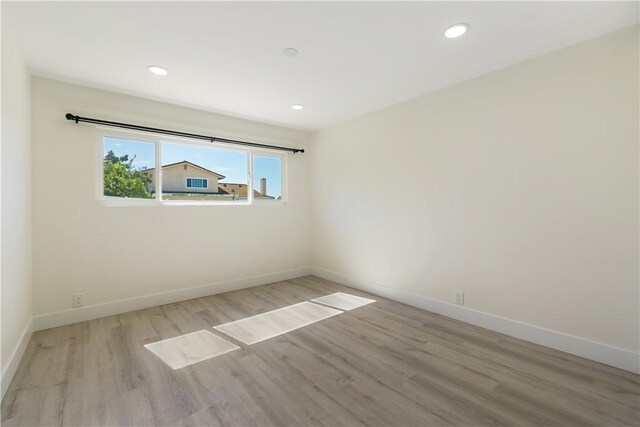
158,170
196,182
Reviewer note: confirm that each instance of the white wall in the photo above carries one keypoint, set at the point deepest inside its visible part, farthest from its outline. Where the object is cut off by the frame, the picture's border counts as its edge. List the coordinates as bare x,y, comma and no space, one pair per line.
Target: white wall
111,253
16,206
519,188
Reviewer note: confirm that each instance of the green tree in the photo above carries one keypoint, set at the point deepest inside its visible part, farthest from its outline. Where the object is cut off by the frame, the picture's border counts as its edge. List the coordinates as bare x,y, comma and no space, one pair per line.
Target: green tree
121,179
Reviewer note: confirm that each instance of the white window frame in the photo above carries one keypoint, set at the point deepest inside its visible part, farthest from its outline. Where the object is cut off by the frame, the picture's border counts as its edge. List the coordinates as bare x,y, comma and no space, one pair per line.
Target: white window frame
157,175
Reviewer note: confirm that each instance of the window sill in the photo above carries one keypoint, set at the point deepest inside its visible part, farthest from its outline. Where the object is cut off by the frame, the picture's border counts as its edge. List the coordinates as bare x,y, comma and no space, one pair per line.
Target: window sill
134,202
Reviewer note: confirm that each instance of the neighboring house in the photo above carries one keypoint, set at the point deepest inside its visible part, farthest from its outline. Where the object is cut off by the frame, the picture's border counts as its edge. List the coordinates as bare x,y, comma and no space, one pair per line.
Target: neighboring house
186,180
187,177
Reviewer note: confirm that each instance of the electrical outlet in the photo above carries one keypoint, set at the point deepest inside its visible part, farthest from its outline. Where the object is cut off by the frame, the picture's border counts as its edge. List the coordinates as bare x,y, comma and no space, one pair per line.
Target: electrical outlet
460,297
77,300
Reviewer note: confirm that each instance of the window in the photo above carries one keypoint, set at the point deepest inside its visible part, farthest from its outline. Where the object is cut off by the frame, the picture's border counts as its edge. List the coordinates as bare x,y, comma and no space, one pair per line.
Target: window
267,177
196,172
125,166
159,170
196,182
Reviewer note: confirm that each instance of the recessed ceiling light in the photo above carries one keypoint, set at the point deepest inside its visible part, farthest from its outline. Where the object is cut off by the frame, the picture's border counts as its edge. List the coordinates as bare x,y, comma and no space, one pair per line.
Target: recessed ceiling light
156,69
290,51
456,30
297,107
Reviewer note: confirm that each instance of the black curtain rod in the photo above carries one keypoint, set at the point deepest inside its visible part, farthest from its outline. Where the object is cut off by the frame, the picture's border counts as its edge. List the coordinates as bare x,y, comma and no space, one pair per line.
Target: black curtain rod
77,119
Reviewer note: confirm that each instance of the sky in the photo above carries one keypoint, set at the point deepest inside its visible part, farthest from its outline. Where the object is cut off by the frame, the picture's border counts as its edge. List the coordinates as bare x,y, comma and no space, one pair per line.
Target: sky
231,164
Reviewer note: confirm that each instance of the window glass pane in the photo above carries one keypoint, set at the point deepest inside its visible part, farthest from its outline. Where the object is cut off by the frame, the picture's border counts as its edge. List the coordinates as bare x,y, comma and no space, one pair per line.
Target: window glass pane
196,172
128,168
196,183
267,177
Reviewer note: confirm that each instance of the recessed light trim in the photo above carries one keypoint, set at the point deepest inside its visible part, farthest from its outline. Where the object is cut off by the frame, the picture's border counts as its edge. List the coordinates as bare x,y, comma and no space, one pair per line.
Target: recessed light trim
290,52
158,70
456,30
297,107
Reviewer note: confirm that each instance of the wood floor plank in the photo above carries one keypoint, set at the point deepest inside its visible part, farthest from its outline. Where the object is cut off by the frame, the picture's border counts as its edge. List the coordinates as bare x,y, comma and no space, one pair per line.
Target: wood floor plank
382,364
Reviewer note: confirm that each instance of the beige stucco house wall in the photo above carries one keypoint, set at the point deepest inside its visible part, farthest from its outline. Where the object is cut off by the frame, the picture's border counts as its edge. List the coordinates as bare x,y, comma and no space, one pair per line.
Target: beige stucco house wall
174,178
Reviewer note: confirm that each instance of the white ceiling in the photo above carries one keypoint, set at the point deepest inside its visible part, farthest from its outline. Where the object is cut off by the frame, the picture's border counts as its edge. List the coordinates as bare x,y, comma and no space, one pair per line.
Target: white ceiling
355,57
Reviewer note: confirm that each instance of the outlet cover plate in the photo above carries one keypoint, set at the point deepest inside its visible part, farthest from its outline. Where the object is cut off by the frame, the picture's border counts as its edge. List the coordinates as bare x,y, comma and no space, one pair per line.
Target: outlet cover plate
460,297
77,300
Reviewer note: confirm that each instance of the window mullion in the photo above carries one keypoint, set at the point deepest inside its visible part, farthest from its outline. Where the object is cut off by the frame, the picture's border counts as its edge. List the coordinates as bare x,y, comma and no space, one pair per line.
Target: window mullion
158,172
250,177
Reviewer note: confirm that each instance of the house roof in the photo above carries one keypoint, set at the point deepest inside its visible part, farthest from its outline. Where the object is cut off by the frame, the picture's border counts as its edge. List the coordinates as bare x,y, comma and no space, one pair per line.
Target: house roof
241,190
189,163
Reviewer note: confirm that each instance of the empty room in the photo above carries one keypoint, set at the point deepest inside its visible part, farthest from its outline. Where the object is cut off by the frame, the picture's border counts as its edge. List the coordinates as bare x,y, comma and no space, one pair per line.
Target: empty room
320,213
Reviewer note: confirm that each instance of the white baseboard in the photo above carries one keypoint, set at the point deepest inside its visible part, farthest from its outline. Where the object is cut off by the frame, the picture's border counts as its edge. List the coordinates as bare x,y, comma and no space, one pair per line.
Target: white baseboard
14,359
75,315
599,352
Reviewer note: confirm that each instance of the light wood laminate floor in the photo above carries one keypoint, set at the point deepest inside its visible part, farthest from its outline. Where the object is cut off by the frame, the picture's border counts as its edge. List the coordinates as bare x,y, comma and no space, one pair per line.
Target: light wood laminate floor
381,364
